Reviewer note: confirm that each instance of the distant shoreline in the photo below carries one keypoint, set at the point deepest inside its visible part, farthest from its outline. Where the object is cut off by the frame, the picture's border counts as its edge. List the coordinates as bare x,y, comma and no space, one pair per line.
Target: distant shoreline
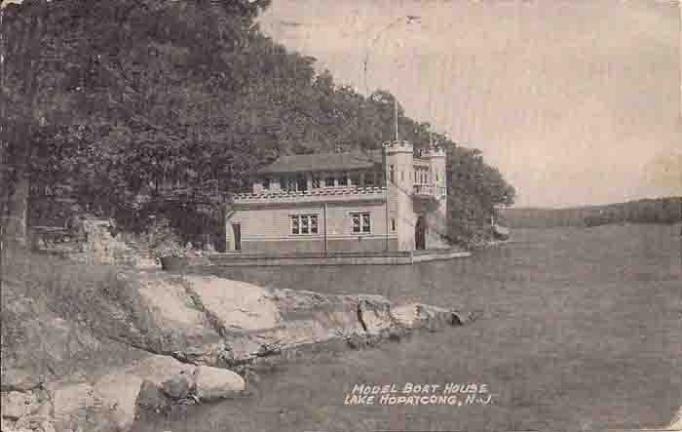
652,211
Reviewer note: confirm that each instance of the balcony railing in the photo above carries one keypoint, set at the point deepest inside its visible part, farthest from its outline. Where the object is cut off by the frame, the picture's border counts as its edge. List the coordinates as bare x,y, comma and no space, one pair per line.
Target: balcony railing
320,194
429,190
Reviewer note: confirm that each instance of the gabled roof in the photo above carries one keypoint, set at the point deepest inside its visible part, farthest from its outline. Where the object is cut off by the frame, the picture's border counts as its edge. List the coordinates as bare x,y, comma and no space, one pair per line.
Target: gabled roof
324,162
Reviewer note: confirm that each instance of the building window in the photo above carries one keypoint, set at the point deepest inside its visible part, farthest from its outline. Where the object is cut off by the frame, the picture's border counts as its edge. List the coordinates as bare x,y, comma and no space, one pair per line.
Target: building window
391,173
329,181
369,179
303,224
361,222
392,224
366,223
355,179
288,184
266,183
316,182
343,180
402,175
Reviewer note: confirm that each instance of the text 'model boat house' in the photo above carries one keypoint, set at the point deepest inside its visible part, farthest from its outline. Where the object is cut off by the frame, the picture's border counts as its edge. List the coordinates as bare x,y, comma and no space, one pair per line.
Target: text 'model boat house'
373,201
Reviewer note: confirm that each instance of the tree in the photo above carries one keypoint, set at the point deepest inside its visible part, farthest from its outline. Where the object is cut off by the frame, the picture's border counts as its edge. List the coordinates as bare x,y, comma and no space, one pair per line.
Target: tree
475,189
21,49
126,101
140,108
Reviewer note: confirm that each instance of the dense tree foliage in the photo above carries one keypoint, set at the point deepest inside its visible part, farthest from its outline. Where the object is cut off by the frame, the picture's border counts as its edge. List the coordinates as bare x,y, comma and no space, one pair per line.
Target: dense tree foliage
475,190
129,103
135,108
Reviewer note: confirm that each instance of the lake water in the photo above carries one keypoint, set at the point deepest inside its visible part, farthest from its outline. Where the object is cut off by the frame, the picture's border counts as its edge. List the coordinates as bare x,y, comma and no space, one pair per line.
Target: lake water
580,329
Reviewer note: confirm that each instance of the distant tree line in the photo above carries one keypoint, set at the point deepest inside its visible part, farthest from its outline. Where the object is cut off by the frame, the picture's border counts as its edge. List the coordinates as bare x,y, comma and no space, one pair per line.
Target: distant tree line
660,210
135,109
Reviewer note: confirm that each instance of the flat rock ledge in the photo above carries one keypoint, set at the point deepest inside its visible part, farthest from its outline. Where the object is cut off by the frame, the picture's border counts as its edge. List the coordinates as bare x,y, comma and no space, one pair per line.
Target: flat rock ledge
197,331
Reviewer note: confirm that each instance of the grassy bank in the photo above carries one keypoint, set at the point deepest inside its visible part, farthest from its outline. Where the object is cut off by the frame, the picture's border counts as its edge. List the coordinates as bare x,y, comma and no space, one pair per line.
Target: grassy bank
52,318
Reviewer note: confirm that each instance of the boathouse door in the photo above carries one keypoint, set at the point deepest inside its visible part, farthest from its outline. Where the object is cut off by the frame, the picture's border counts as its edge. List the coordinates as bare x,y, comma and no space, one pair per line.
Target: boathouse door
420,233
237,233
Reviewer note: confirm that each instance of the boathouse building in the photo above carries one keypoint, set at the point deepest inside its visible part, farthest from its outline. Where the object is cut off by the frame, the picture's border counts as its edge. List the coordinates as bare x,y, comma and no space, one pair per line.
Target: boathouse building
373,201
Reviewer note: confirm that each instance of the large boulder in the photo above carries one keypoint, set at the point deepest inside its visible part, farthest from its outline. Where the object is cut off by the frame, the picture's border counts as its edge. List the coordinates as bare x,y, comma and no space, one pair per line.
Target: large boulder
374,314
213,383
119,392
419,315
233,305
79,405
336,313
166,319
151,399
174,378
177,387
305,318
17,404
172,307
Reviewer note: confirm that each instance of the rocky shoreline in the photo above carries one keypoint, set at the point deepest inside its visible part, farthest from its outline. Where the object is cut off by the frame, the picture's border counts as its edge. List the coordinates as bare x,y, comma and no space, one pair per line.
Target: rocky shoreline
179,339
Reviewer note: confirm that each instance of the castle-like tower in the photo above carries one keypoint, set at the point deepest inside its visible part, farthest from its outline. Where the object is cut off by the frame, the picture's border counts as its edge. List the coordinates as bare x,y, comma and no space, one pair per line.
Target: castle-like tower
399,156
416,196
436,219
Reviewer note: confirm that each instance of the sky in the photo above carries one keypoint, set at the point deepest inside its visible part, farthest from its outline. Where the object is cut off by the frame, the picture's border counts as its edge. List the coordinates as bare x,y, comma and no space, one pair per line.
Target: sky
576,102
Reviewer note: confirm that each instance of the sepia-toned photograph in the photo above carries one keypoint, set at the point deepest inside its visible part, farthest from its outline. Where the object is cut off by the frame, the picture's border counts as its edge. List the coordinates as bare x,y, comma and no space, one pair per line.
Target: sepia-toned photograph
340,215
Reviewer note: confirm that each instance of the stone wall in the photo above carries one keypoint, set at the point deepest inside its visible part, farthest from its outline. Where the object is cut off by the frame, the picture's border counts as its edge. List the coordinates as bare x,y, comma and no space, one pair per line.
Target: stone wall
92,241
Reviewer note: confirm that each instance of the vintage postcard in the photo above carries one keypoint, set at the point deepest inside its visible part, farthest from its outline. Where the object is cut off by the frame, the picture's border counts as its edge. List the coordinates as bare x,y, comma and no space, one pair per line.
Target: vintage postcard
341,215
